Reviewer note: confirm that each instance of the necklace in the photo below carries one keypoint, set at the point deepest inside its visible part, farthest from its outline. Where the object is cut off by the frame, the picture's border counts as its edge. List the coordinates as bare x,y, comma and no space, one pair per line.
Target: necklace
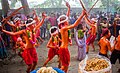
32,39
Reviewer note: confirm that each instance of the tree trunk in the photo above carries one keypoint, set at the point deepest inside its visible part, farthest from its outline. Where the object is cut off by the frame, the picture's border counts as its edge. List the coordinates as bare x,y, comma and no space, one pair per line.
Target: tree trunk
5,6
26,9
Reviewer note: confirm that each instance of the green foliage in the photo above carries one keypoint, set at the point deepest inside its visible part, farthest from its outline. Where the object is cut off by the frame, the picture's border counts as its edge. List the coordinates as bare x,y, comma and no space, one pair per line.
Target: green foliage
112,4
50,4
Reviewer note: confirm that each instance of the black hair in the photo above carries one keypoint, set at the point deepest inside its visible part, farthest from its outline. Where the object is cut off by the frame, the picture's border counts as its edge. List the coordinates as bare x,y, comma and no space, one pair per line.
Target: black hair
106,32
79,27
104,18
29,21
53,30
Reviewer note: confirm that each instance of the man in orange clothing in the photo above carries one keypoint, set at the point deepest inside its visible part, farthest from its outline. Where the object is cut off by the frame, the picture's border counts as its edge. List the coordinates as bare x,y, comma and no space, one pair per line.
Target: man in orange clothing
63,49
92,33
29,54
104,43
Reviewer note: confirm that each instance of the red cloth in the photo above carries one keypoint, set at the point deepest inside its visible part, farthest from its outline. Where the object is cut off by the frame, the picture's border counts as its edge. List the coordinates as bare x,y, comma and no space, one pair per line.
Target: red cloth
52,52
30,55
64,56
14,38
37,33
90,39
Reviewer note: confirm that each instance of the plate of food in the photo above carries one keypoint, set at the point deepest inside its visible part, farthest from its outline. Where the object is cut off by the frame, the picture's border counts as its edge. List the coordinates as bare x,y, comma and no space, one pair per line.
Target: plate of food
47,70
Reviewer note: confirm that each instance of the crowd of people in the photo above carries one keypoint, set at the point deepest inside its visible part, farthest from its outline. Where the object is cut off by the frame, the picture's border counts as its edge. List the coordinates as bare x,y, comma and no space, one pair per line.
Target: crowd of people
27,32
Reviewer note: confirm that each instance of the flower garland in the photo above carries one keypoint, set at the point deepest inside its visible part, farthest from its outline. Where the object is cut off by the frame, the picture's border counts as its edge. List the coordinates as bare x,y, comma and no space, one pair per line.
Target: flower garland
32,40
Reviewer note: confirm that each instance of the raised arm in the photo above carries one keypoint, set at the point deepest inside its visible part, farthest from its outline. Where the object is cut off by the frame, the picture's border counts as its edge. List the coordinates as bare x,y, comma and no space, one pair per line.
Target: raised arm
40,23
77,21
49,44
68,12
77,41
88,21
36,17
76,37
11,24
13,33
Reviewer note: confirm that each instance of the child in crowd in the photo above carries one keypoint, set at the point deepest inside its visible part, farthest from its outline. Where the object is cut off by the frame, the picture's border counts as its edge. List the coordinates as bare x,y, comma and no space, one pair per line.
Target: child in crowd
53,44
81,42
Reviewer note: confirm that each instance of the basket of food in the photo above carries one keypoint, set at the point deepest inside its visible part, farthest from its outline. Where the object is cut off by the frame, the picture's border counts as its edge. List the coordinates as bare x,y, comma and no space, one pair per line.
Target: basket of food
95,64
47,70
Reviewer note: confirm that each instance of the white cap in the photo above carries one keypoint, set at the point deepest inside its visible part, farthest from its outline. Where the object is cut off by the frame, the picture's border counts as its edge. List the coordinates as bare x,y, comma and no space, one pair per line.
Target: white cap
30,23
62,21
16,19
30,19
53,28
94,19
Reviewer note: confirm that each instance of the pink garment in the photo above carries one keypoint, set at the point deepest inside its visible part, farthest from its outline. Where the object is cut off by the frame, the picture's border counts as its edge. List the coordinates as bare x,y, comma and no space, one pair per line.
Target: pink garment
52,20
37,33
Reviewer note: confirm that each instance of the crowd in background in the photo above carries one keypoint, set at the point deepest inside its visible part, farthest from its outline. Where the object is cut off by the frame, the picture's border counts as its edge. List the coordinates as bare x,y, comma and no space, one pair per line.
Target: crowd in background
104,20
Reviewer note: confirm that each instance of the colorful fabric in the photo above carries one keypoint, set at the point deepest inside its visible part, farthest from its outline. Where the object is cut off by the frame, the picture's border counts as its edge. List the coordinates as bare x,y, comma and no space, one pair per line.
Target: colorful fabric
38,33
90,39
80,34
14,38
52,52
30,55
57,69
81,43
64,56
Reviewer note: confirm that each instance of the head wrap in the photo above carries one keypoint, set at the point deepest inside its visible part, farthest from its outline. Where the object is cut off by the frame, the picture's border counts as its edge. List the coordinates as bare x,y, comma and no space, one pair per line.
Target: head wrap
62,19
80,33
30,22
52,30
94,20
16,19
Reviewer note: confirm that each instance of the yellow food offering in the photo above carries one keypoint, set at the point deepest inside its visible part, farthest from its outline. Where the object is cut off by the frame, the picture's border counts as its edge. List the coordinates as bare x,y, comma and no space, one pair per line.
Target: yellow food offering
95,64
46,70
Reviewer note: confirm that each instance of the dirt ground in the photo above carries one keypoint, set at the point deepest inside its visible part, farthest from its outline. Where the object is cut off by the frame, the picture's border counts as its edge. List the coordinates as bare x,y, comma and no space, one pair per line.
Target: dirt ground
16,66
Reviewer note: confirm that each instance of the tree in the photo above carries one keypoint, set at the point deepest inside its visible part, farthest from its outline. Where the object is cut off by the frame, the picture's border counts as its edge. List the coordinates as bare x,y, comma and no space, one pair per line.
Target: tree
5,6
26,7
13,2
110,5
51,4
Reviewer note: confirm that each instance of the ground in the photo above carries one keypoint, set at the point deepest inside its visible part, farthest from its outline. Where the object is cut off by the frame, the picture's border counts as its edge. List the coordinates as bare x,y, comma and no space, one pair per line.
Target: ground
16,66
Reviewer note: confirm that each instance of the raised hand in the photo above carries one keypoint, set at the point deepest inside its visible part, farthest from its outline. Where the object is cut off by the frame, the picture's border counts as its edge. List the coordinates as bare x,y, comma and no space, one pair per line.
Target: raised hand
84,12
44,15
67,4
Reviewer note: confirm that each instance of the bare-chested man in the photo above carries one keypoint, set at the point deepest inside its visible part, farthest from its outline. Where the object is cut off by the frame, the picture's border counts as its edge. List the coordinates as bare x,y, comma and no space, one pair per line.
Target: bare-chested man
104,43
92,33
29,54
63,50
